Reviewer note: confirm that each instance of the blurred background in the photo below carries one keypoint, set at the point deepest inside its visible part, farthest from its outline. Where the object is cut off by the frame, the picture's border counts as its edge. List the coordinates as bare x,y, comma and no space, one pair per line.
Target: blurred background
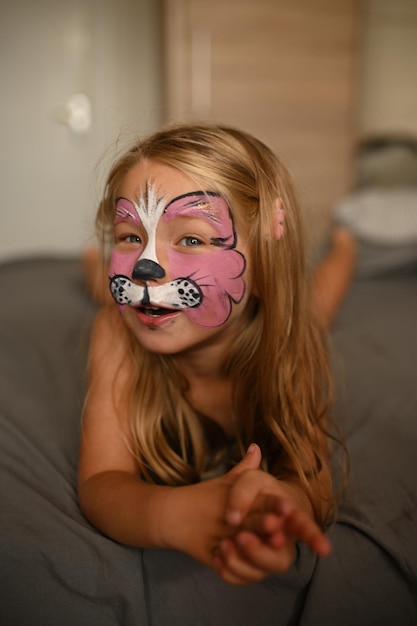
81,78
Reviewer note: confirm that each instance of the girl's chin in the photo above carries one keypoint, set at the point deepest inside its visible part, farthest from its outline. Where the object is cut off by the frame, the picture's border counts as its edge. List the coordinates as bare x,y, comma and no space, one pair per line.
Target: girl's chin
169,333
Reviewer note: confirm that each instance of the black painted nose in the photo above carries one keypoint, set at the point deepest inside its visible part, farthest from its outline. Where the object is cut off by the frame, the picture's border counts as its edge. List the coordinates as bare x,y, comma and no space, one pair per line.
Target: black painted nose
146,269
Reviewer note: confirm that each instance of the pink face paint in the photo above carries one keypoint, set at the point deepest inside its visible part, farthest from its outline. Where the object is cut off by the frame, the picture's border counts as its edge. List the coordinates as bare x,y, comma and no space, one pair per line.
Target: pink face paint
125,212
204,285
219,274
123,264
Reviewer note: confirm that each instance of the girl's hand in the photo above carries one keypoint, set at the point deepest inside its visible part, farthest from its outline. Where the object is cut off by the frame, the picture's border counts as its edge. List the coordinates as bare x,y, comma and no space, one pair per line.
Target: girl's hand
193,518
269,517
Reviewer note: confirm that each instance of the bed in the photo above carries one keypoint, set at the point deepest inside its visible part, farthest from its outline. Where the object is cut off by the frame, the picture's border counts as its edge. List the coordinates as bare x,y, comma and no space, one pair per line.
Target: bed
56,569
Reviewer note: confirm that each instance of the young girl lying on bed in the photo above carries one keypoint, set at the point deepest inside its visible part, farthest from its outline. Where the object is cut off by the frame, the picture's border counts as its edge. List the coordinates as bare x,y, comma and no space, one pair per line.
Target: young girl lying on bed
206,420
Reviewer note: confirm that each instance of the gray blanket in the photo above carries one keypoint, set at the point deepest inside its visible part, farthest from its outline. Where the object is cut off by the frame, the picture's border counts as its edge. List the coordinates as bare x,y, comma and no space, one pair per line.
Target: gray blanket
55,569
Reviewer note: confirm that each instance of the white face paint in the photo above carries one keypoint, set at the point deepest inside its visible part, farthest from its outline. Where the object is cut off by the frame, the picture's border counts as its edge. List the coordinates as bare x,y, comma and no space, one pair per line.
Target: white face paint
149,210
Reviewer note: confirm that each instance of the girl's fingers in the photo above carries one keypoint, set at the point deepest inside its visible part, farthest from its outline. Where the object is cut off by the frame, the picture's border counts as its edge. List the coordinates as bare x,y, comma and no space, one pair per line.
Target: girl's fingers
264,557
251,460
256,505
302,528
262,524
279,518
234,569
250,492
268,515
252,555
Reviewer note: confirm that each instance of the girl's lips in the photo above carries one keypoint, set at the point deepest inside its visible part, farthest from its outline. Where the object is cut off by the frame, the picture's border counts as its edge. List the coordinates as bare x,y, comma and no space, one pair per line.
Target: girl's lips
155,317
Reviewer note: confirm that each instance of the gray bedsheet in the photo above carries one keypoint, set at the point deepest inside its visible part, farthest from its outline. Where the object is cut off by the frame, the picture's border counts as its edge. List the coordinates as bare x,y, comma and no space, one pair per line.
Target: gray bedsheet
55,569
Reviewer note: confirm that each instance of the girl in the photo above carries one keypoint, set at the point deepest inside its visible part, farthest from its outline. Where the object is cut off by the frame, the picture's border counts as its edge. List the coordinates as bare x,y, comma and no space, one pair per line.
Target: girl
211,351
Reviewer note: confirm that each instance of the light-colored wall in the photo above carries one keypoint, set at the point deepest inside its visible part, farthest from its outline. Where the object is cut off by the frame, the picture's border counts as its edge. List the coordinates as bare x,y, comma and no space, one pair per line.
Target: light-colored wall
389,68
111,51
108,50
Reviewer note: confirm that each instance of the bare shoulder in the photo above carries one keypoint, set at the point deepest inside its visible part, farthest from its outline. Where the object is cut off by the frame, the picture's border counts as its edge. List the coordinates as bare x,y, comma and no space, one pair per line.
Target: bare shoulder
105,423
110,351
110,364
108,333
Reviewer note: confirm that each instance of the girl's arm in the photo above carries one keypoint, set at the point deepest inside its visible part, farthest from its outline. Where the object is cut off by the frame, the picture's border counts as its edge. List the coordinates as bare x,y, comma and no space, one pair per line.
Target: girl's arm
111,494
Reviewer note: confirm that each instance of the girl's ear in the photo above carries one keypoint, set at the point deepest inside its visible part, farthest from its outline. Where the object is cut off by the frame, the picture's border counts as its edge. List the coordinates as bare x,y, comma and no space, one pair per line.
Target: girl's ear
279,216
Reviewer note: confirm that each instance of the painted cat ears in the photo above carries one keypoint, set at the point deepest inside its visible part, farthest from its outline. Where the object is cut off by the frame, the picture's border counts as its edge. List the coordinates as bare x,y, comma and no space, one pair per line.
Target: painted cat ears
279,217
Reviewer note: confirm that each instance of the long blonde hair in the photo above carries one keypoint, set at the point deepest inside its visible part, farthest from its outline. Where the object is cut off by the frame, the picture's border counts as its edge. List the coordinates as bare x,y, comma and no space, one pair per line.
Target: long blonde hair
278,366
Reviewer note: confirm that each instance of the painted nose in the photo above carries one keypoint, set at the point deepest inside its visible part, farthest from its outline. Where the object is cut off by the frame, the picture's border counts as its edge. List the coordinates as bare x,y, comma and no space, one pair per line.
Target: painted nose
146,269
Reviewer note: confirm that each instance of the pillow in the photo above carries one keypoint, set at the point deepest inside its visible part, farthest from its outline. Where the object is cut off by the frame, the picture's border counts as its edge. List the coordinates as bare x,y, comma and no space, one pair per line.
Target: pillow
384,222
388,161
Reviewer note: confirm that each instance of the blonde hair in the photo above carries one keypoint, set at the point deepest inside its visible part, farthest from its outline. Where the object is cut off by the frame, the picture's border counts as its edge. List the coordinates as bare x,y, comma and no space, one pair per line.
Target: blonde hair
278,365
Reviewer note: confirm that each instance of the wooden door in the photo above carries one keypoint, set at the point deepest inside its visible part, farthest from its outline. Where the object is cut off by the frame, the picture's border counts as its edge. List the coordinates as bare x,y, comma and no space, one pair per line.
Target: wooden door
284,70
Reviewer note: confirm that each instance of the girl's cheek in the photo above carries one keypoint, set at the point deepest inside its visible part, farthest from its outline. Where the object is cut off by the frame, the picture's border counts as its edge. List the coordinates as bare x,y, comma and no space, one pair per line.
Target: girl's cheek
123,263
181,265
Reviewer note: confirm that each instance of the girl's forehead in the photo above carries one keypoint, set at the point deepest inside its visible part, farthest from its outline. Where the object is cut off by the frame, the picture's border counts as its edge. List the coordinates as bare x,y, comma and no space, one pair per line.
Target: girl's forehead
151,184
168,181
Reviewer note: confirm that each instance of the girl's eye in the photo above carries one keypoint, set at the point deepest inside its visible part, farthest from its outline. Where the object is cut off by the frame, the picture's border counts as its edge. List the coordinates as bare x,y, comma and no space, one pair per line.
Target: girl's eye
131,239
190,241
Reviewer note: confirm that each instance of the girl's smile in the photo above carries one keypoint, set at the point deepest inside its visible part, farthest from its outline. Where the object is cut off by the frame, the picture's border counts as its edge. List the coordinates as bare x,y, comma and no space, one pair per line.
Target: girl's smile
155,317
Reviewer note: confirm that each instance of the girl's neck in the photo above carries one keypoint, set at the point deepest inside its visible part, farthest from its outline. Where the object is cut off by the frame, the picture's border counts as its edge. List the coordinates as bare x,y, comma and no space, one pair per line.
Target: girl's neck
209,390
213,399
202,364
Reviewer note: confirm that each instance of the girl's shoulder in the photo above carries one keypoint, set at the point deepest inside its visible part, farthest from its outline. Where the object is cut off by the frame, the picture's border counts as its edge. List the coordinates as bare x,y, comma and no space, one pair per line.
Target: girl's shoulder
109,344
108,326
107,317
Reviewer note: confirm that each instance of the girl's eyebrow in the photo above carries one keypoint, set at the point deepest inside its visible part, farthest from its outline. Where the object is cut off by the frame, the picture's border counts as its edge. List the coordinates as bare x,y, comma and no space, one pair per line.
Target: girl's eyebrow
125,210
197,203
195,193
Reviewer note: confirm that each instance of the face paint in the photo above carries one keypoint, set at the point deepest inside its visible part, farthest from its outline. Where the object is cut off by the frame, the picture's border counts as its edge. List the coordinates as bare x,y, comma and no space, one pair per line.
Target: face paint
205,285
123,266
219,274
